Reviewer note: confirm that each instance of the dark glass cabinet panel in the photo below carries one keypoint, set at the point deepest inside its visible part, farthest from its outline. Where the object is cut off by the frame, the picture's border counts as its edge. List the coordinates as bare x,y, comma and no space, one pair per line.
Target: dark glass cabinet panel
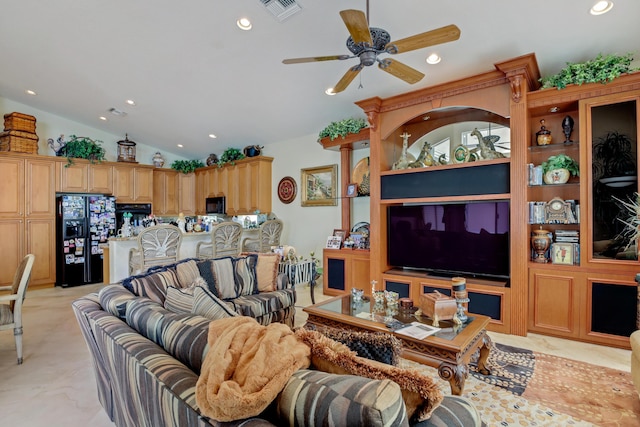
614,179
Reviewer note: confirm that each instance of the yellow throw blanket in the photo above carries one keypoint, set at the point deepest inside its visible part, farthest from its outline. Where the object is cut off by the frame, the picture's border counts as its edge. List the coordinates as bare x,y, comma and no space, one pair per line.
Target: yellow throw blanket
247,365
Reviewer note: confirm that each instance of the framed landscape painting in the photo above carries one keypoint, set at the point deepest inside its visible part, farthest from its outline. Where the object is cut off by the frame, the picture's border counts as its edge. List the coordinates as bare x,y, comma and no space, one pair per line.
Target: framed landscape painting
319,186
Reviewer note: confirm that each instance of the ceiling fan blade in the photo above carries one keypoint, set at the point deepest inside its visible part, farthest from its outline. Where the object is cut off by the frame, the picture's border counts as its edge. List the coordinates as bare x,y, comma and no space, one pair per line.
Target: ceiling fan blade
347,78
314,59
357,24
419,41
400,70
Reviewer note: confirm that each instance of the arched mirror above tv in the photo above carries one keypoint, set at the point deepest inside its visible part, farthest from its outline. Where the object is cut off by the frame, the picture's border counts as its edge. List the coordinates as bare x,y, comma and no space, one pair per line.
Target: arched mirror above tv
452,135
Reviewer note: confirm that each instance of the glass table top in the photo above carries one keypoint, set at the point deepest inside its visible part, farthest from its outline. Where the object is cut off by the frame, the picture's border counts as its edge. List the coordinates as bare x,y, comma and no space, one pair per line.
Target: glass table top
392,316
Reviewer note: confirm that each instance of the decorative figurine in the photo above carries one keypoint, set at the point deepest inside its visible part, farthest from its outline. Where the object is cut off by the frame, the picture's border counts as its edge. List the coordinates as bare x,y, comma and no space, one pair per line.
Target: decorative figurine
567,128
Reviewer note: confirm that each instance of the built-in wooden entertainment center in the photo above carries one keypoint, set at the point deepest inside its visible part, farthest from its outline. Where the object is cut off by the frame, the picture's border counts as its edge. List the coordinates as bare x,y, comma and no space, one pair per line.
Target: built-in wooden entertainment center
595,298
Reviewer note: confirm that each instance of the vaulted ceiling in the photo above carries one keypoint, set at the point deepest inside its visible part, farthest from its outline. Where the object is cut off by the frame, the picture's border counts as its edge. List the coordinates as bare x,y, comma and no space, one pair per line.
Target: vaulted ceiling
192,72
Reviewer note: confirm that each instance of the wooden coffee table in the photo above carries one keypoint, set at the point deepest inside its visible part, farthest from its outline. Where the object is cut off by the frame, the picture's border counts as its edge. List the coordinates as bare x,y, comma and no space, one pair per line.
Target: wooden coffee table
449,350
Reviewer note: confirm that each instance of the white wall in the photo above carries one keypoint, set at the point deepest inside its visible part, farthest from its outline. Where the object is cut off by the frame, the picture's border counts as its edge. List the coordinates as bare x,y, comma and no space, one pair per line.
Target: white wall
305,228
51,126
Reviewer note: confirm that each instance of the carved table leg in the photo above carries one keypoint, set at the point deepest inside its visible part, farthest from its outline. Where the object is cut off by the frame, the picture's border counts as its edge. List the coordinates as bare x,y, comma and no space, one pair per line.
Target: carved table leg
483,367
456,375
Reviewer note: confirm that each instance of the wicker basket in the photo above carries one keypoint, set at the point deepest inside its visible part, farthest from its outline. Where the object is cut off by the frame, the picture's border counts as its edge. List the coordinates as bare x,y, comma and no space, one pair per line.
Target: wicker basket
21,142
19,121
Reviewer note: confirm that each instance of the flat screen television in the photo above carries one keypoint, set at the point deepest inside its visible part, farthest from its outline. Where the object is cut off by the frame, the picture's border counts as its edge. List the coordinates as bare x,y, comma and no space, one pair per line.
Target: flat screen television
468,239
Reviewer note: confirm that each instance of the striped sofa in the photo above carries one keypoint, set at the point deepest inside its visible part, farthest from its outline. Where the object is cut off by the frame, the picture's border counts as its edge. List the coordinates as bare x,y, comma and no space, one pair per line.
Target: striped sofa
147,359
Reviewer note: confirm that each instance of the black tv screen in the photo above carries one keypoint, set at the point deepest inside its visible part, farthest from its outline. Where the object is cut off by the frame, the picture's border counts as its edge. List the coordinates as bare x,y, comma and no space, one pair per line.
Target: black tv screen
469,239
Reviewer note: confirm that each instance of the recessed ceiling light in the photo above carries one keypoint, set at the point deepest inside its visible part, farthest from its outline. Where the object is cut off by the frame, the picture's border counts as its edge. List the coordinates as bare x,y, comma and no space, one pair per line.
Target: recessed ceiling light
30,92
180,145
117,112
131,102
434,58
244,24
330,91
103,118
554,109
601,7
212,136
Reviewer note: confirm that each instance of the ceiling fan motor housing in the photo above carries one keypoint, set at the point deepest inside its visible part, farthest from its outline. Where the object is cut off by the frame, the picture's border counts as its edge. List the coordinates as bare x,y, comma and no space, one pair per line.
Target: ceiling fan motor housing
379,37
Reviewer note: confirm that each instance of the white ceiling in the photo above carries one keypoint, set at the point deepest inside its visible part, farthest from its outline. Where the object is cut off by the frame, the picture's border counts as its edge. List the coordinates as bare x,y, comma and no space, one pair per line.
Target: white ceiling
192,72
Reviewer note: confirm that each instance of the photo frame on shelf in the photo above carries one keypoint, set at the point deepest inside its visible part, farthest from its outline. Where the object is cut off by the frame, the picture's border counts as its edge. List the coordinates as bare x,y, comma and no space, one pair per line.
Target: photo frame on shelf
352,190
319,186
562,253
333,242
342,234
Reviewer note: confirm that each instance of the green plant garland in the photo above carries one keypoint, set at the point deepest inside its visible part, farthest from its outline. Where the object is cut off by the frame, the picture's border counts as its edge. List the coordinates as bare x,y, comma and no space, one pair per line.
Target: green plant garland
342,128
601,69
186,166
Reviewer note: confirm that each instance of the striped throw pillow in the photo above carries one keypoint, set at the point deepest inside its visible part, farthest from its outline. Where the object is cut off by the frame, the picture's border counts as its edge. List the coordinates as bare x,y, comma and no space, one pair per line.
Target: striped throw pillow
206,304
179,300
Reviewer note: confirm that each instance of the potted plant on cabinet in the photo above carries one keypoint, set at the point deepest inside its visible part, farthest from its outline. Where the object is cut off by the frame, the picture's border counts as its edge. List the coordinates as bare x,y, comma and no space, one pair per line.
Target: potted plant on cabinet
601,69
186,166
559,168
613,163
80,147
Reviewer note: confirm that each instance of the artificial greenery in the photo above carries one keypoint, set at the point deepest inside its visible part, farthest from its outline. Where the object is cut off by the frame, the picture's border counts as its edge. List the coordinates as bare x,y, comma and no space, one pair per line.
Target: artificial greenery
230,155
186,166
601,69
561,161
342,128
81,147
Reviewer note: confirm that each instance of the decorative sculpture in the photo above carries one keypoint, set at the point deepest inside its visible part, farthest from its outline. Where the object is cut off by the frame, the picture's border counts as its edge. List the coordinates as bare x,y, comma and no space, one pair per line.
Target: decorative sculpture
403,161
487,147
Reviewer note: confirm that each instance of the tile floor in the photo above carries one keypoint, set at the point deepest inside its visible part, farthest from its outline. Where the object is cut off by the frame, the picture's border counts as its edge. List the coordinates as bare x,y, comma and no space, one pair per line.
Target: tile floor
55,384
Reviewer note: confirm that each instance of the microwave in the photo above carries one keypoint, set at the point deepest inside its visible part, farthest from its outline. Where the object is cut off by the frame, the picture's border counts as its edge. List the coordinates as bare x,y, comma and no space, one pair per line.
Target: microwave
216,205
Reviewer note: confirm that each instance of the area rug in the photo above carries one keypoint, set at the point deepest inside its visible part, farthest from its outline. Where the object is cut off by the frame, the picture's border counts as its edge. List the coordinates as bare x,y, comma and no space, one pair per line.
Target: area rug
528,388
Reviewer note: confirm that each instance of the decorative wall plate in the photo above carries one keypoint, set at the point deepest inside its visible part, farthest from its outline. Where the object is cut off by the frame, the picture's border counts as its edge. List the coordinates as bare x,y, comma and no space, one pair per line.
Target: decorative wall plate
287,190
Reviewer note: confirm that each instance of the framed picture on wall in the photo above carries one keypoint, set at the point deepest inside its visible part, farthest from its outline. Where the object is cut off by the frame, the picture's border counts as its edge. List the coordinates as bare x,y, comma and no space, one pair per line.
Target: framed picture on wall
319,186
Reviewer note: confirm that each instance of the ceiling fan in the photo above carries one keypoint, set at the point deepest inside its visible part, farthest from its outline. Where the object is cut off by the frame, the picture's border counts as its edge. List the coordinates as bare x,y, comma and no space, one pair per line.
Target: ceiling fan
366,43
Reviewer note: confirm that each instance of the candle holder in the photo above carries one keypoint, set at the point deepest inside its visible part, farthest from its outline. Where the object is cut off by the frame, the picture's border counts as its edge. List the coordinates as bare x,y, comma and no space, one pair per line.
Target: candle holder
459,286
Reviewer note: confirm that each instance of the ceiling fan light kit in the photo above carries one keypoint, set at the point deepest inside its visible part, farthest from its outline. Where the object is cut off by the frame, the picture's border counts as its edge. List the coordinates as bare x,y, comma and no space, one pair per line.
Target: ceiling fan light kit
366,43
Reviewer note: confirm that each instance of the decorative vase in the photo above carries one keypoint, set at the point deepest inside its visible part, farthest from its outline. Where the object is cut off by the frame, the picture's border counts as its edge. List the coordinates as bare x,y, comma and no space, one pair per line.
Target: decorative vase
126,230
543,136
212,159
252,150
567,128
540,241
557,176
158,160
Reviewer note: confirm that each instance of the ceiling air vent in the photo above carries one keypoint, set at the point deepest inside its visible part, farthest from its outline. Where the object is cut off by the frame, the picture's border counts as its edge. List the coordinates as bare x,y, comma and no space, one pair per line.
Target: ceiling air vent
281,9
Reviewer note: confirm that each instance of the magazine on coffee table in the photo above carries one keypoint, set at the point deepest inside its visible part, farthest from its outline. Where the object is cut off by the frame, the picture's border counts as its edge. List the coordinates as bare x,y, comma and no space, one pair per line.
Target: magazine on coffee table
417,330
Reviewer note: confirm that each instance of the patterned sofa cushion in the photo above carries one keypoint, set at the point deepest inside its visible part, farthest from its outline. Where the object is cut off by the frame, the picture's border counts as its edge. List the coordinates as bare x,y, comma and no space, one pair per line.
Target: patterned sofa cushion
264,303
206,304
179,300
314,398
245,279
152,285
114,298
220,276
184,336
266,270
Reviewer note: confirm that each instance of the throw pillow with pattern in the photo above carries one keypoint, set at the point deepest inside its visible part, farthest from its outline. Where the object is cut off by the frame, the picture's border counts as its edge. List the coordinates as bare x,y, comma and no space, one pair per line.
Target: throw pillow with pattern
245,275
179,300
266,270
206,304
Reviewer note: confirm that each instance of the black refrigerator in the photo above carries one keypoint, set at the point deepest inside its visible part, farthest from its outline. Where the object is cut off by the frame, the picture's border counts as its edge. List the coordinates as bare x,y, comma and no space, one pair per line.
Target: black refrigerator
84,221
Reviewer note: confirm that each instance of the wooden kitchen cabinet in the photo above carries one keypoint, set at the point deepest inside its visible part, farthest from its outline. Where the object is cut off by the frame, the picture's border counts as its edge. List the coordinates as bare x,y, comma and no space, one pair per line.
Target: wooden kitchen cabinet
40,188
246,185
101,179
133,184
72,178
11,187
165,192
187,193
27,216
11,247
